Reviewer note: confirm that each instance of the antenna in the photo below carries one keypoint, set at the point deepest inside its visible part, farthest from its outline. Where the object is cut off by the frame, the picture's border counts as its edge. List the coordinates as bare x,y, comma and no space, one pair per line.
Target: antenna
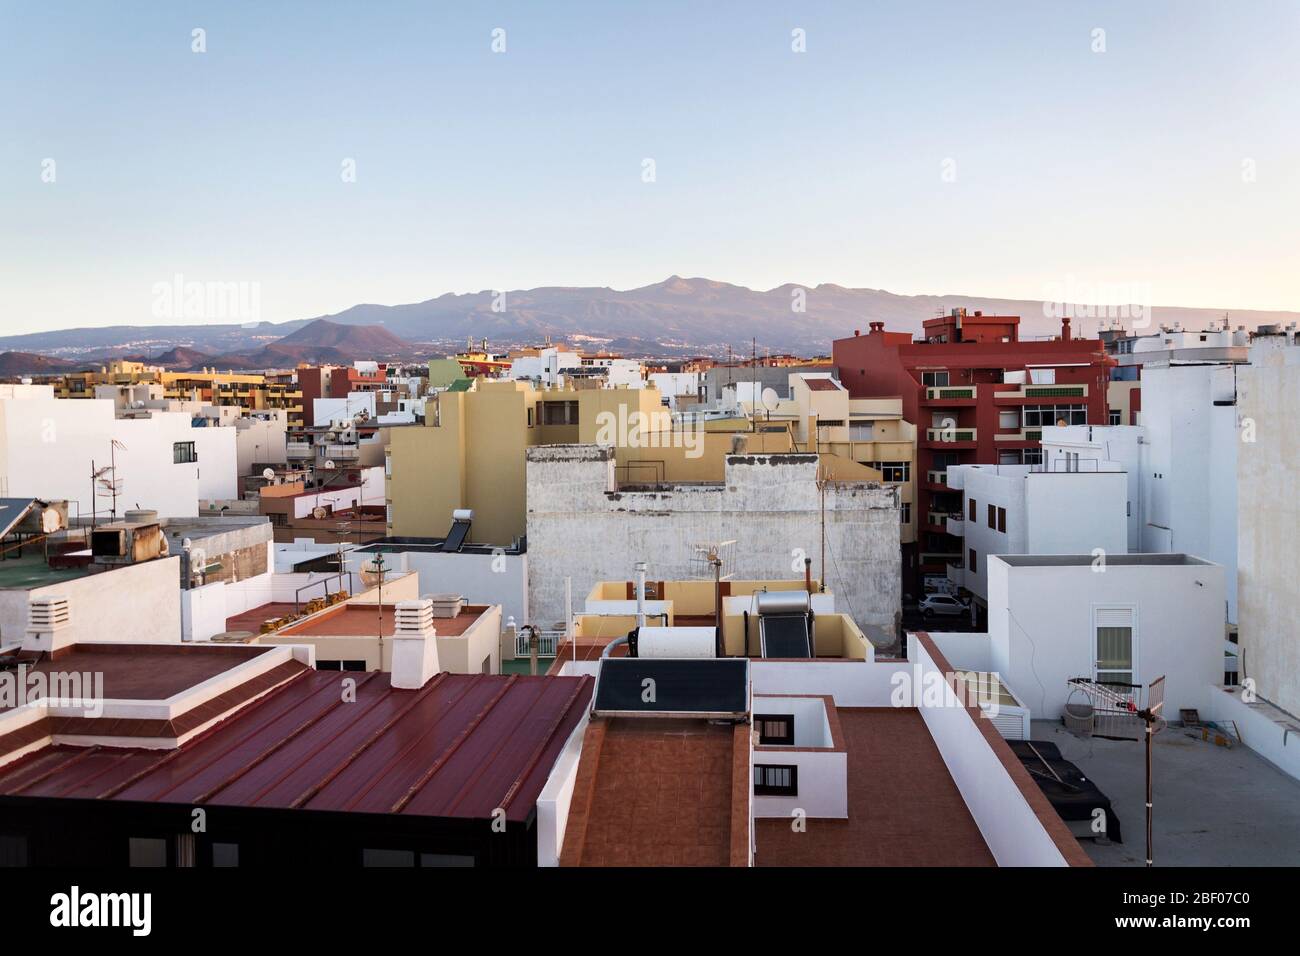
1117,709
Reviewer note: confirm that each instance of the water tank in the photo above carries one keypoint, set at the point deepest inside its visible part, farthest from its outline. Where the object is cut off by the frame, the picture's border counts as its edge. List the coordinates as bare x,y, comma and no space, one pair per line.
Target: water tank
141,516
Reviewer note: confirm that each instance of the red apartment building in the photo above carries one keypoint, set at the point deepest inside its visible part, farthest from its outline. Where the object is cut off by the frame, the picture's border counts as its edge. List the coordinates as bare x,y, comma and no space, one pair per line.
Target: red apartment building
978,394
335,381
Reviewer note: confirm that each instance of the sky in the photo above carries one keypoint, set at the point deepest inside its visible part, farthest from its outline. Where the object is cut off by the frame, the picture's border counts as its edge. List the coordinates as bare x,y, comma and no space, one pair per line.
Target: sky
980,148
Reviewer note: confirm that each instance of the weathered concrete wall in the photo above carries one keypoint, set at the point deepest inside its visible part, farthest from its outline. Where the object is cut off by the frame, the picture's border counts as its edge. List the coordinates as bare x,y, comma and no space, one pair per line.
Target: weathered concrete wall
1268,403
580,525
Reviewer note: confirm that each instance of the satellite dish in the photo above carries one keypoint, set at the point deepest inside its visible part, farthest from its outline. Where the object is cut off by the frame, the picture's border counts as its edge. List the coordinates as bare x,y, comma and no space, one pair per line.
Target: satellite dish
268,473
771,399
318,512
329,464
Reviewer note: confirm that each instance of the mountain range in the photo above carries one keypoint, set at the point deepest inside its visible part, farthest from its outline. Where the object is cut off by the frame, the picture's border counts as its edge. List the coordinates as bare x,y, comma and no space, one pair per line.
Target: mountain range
674,317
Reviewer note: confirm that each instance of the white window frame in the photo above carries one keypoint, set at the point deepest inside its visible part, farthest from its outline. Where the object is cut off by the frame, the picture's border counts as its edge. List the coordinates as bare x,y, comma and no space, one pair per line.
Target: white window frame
1097,610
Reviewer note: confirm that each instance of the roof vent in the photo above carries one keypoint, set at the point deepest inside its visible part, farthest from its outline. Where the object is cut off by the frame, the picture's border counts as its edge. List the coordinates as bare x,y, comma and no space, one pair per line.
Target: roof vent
46,618
415,645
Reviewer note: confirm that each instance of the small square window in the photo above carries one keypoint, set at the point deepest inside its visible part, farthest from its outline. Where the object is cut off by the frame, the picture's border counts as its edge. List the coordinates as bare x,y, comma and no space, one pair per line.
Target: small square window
776,730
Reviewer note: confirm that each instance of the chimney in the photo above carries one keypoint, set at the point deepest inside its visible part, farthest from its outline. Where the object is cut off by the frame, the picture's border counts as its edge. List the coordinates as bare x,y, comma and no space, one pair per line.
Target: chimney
856,333
1065,328
415,645
47,617
876,327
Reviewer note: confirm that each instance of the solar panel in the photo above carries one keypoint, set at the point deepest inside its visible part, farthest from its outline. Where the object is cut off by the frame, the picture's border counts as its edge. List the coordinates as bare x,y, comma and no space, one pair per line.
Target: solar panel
784,635
455,539
672,687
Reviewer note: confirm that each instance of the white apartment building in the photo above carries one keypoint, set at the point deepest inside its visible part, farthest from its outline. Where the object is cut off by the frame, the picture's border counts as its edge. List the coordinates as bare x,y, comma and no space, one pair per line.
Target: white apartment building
162,462
1138,617
1018,509
1184,452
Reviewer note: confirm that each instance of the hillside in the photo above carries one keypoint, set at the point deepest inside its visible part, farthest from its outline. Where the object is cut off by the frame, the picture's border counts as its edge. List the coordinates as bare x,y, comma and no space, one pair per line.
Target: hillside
675,316
28,363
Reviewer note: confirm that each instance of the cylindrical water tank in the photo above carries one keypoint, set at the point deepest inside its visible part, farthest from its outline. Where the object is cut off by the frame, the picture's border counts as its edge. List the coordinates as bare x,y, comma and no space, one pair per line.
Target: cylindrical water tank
675,642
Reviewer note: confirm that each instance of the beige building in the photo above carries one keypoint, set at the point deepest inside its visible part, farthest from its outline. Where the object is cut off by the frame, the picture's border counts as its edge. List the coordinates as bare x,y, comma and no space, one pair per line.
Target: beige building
470,451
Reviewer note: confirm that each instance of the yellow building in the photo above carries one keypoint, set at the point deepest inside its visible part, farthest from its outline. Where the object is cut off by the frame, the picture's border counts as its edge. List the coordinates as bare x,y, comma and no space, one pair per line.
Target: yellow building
470,451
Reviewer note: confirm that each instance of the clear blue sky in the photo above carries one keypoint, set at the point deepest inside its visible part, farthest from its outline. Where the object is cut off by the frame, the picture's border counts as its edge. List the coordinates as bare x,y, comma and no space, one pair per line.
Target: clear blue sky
478,170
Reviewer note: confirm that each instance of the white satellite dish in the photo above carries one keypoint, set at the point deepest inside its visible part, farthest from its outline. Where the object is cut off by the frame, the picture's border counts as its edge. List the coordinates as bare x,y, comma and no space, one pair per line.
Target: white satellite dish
268,473
318,512
328,465
771,399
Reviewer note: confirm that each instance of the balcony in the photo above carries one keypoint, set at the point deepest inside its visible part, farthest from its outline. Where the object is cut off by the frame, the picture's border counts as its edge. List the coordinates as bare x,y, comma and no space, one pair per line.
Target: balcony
1023,436
298,449
936,480
340,452
951,437
1030,394
956,526
951,395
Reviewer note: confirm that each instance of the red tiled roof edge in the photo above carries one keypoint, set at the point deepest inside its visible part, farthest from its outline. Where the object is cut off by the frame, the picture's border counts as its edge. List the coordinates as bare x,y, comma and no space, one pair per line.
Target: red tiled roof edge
584,786
740,786
1042,807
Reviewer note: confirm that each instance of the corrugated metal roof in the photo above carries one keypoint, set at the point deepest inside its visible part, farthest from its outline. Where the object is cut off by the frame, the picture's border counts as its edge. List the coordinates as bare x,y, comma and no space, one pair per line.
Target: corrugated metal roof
461,746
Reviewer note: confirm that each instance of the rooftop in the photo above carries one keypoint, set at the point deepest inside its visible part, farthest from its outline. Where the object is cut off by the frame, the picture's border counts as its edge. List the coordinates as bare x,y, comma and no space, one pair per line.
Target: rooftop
461,746
147,671
362,620
904,808
27,570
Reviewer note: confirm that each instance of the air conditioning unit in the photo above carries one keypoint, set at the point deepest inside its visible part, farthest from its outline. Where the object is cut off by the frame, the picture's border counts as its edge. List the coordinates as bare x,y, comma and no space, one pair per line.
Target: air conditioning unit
127,542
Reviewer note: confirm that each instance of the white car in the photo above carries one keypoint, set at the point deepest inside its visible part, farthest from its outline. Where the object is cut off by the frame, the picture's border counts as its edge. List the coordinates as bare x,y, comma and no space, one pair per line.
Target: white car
942,604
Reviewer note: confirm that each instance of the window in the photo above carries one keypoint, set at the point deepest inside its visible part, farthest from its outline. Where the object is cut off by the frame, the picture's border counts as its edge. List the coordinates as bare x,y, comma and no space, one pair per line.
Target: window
973,564
1115,418
13,850
1037,416
340,665
775,729
559,413
972,509
934,379
1009,418
147,851
860,431
183,453
993,516
530,418
1033,456
1002,520
411,858
1115,654
772,780
225,854
905,512
892,470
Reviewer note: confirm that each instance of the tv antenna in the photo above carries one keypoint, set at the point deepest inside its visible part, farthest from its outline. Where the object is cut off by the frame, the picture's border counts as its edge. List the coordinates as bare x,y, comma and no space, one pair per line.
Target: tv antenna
1120,713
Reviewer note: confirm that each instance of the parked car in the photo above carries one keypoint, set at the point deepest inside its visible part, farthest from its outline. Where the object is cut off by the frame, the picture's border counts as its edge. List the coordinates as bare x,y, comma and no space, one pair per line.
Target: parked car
942,604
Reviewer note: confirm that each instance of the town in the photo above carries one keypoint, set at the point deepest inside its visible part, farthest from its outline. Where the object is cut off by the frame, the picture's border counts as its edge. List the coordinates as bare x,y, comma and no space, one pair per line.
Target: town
552,606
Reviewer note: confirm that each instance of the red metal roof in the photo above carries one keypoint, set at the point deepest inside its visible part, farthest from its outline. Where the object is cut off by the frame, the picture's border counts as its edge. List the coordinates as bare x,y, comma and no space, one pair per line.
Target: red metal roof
461,746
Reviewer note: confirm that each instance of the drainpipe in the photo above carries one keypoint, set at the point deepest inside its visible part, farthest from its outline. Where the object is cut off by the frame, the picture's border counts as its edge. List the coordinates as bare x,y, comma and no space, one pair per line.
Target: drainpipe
719,649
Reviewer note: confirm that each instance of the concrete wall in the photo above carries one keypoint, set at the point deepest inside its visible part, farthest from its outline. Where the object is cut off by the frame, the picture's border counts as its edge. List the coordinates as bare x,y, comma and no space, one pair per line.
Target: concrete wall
1269,523
1189,469
581,526
1042,621
1112,448
479,578
137,603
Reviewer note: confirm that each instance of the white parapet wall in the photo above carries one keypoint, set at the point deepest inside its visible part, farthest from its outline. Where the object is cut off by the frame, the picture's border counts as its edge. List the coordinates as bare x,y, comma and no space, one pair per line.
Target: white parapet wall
1018,824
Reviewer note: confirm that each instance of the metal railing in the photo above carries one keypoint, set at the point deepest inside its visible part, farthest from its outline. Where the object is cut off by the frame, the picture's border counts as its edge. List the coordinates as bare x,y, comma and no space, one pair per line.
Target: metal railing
547,642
